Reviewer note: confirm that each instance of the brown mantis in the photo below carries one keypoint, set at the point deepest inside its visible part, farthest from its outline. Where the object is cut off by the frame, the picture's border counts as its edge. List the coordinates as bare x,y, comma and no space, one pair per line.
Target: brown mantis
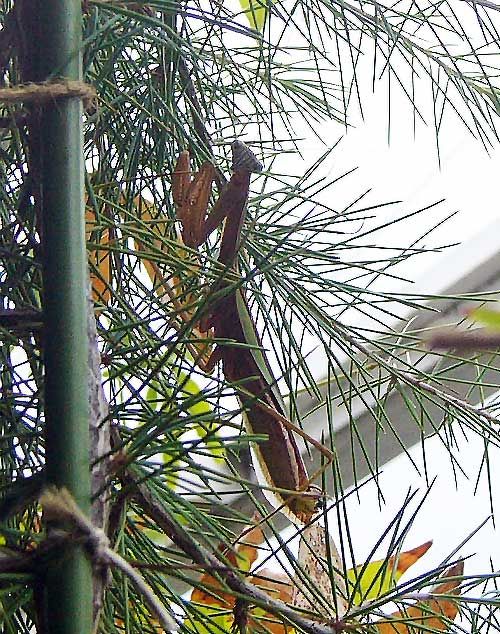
277,460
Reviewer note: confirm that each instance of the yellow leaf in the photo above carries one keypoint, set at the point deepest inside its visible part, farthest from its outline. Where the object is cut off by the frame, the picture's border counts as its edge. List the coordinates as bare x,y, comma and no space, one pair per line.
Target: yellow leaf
429,615
485,316
256,12
168,286
375,578
211,620
100,257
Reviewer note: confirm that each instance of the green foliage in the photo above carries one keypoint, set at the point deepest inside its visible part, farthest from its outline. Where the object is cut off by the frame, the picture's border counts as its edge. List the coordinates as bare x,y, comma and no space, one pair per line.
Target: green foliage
170,77
486,317
256,12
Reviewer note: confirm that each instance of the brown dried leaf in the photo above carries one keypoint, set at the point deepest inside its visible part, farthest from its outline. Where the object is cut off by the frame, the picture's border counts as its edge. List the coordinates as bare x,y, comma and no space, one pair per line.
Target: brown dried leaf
191,195
314,563
242,556
196,206
429,614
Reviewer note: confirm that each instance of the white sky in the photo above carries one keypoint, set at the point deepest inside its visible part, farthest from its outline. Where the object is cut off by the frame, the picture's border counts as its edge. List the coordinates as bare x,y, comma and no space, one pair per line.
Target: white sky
407,169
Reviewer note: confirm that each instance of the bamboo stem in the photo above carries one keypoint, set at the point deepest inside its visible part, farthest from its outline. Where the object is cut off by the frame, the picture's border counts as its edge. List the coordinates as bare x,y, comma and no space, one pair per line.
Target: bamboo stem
68,591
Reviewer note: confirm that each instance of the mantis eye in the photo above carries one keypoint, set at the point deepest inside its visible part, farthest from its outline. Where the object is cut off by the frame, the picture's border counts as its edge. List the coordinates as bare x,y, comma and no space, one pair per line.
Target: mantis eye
318,496
320,504
244,158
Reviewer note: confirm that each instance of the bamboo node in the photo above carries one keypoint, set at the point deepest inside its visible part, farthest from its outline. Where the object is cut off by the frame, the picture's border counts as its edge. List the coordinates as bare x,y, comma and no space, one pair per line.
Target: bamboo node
46,91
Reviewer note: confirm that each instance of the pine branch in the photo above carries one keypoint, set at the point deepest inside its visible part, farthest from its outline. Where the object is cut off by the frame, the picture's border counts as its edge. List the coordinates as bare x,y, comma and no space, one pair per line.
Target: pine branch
201,556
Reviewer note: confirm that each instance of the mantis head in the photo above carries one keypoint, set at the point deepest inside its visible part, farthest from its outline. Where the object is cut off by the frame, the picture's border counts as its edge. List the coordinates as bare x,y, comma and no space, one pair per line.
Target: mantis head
306,504
244,158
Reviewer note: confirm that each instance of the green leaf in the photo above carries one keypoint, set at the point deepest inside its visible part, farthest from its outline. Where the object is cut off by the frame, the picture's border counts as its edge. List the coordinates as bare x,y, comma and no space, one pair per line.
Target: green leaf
486,316
375,578
199,407
256,12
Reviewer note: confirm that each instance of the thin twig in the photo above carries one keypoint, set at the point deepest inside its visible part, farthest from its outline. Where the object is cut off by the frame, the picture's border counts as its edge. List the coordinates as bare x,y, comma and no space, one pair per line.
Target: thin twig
422,385
465,341
484,3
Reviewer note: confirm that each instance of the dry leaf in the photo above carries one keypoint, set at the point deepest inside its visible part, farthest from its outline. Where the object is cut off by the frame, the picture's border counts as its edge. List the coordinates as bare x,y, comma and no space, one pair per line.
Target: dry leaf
242,557
430,614
193,210
313,561
217,605
168,287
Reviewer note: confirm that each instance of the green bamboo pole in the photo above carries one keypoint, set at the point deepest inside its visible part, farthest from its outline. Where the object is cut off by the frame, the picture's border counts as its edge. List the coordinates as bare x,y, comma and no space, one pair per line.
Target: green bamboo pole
68,591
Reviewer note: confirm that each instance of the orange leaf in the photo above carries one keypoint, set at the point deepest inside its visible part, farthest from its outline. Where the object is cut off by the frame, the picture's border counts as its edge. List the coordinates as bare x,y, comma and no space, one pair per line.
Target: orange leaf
278,586
242,557
214,600
429,614
100,257
409,557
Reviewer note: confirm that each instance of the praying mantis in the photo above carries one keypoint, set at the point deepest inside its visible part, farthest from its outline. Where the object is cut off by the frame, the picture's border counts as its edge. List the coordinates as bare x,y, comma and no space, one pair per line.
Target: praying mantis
277,460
